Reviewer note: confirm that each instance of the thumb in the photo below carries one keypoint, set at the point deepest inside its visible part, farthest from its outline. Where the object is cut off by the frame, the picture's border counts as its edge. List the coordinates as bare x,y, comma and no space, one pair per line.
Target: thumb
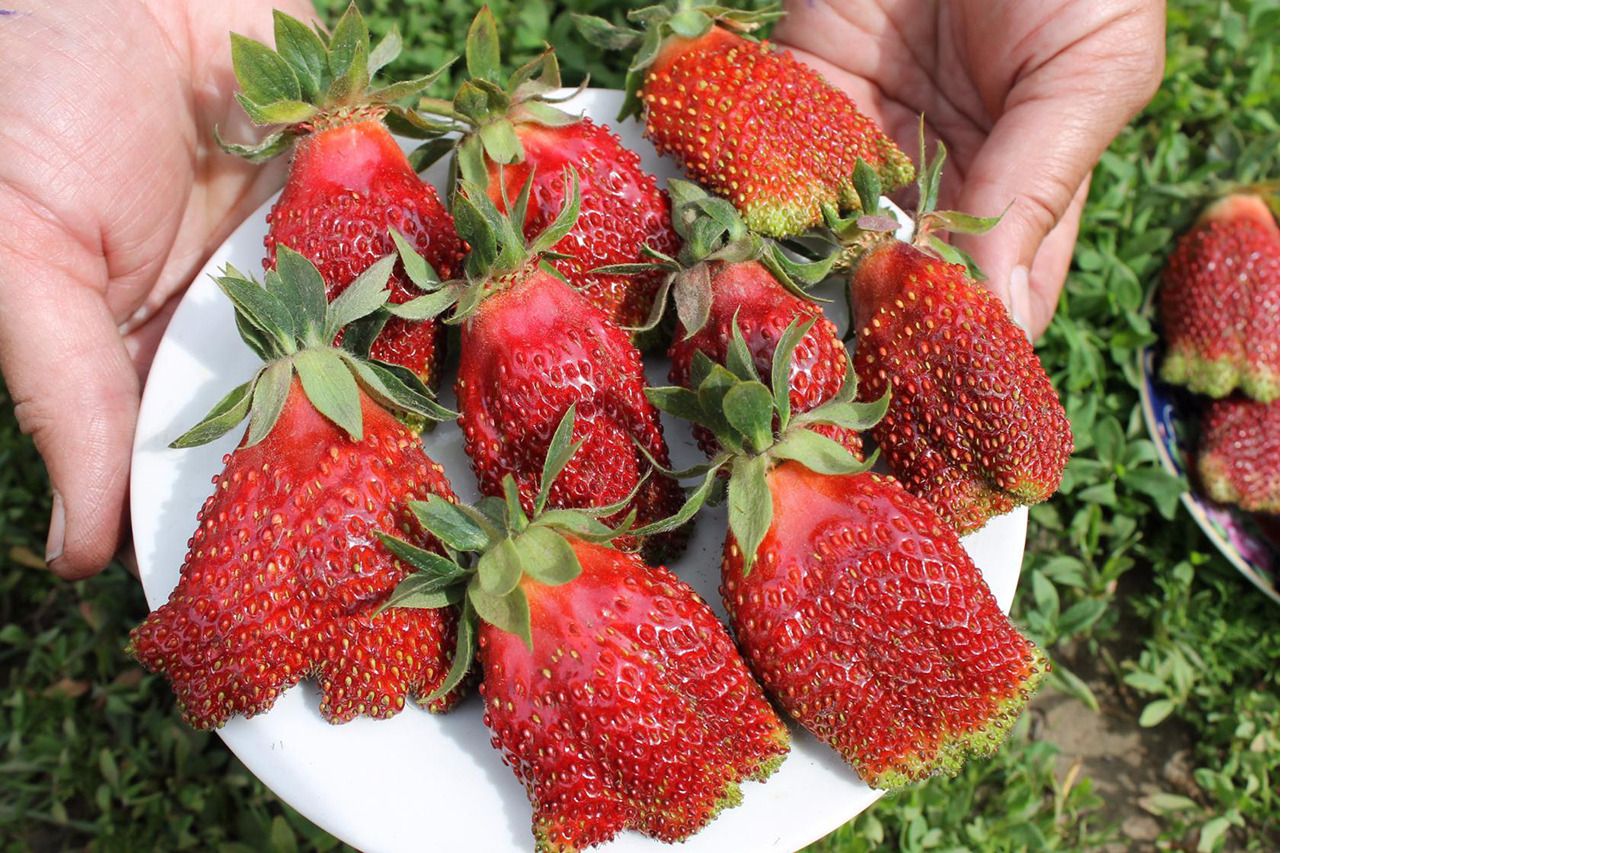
76,393
1029,171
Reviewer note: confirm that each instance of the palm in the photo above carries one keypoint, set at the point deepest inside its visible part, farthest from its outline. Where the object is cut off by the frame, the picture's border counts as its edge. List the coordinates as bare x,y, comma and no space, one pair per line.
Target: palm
1025,95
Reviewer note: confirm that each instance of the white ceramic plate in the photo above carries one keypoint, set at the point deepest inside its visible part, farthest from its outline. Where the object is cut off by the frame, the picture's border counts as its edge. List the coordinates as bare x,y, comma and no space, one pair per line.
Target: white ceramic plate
418,782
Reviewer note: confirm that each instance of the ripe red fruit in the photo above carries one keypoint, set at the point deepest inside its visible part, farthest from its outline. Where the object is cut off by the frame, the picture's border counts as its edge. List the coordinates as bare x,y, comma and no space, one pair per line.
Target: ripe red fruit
730,281
516,141
747,298
1221,302
851,599
349,182
747,120
974,426
871,626
285,571
610,688
625,658
621,209
532,348
1240,453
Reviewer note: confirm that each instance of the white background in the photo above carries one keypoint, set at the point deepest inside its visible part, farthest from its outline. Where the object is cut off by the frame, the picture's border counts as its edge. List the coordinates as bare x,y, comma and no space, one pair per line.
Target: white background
1451,211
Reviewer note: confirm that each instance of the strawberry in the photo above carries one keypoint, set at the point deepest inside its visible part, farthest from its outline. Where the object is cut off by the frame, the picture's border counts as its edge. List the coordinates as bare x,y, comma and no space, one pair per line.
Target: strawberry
282,577
610,688
516,139
531,348
745,119
1240,453
349,181
975,427
852,600
730,281
1221,302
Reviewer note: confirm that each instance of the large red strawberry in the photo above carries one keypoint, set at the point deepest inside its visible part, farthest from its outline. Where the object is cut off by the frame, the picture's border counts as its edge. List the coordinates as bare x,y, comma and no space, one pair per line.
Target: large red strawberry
731,281
610,688
1221,302
851,599
745,119
532,348
1240,453
284,573
349,182
974,427
516,141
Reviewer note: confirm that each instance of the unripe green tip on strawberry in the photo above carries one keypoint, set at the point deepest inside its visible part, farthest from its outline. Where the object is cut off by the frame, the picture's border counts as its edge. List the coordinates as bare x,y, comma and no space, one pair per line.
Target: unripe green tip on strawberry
1220,300
745,119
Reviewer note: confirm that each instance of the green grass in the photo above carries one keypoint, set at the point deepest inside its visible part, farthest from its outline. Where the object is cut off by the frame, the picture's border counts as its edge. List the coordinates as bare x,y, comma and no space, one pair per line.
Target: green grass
93,756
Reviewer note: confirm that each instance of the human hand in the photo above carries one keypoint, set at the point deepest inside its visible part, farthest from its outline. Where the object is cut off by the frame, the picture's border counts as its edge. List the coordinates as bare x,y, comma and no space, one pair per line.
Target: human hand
1026,95
112,194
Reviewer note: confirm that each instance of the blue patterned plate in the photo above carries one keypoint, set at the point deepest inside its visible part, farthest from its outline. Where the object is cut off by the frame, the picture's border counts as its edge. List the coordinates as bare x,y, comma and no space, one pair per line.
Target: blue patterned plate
1252,543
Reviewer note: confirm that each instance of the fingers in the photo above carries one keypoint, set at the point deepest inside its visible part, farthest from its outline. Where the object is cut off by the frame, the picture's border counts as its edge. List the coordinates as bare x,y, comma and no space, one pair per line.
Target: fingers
74,387
1051,268
1055,125
1030,167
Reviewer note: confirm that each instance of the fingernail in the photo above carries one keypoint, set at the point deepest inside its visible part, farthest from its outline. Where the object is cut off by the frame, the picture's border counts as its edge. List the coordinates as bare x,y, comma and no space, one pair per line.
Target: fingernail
1018,297
58,533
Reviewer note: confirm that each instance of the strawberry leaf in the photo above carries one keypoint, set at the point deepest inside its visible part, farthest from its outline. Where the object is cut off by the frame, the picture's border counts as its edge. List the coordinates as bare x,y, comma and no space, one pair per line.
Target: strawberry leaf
298,284
782,363
264,76
509,612
500,568
694,502
546,556
331,387
276,112
748,505
748,409
398,387
483,47
500,140
461,662
425,591
255,305
269,396
561,449
385,52
453,524
367,293
225,414
425,562
694,298
819,453
303,52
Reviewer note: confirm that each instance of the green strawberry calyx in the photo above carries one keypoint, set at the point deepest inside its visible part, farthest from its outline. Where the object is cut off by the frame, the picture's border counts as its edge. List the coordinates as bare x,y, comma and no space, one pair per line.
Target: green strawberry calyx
489,546
712,232
656,26
753,422
499,256
312,79
870,225
288,322
488,107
